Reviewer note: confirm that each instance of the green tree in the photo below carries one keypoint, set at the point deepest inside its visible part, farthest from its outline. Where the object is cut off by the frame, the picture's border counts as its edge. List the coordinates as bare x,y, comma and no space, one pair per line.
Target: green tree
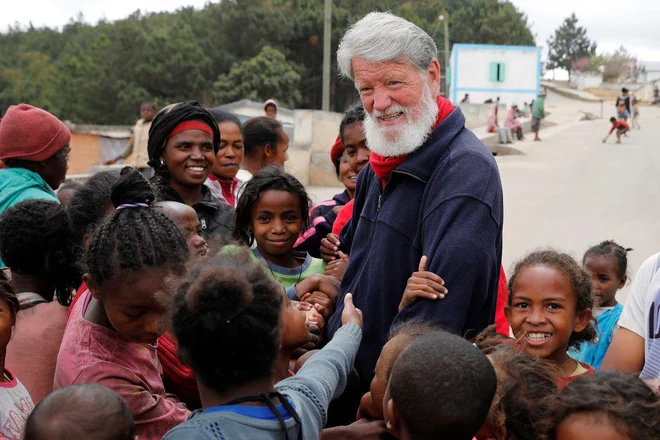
490,22
568,44
266,75
30,81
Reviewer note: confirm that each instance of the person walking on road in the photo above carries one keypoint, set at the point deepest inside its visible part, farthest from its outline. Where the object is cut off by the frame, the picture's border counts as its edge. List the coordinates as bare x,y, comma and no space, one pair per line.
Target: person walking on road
538,113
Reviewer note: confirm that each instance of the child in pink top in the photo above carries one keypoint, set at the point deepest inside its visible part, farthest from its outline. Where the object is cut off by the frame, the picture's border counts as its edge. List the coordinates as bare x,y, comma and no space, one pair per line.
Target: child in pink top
111,336
15,402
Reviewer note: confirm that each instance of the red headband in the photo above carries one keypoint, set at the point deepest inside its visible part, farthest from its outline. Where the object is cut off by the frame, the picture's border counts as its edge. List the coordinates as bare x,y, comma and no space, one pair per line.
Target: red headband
191,125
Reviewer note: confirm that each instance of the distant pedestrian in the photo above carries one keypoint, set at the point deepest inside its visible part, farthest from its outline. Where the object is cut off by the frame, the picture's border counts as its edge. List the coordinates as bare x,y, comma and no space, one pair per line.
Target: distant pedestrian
635,113
538,113
466,99
137,146
511,122
621,127
492,117
270,108
625,99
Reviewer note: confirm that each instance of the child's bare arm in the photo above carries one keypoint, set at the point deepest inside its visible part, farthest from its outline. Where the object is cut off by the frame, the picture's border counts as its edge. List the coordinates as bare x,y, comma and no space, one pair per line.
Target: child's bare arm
423,284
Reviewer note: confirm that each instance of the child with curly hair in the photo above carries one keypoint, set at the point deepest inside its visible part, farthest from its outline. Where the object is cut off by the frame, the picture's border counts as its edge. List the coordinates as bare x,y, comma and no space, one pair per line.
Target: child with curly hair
522,380
230,303
607,405
549,310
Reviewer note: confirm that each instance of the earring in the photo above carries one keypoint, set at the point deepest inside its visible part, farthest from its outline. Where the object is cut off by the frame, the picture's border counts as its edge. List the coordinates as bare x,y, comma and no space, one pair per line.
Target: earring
388,425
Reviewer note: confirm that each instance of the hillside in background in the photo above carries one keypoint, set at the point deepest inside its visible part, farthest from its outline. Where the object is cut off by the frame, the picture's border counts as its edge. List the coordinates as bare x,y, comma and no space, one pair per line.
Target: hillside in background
226,51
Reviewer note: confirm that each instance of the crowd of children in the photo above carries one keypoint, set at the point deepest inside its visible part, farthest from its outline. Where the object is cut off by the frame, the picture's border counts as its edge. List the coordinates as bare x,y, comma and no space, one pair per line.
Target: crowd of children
192,305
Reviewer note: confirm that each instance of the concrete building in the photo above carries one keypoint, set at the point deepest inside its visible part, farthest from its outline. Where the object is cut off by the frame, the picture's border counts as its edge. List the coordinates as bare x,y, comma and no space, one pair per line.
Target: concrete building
92,144
487,71
246,109
652,71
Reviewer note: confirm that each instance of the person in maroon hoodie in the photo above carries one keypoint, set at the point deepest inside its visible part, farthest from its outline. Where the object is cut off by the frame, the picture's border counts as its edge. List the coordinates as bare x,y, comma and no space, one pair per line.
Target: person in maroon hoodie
431,188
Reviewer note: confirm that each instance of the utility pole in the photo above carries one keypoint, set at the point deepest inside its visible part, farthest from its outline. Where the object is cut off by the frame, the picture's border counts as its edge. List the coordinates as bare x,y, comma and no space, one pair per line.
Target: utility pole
445,20
327,37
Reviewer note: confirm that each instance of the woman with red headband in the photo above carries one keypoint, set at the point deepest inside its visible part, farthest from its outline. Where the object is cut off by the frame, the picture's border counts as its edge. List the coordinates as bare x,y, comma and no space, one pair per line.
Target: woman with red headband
183,141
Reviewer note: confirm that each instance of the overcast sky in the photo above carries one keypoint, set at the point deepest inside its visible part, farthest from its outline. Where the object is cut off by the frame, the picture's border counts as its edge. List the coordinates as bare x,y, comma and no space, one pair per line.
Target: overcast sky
632,23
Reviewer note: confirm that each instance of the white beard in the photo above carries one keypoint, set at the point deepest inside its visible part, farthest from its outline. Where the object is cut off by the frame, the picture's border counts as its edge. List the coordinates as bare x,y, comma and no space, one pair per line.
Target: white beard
407,136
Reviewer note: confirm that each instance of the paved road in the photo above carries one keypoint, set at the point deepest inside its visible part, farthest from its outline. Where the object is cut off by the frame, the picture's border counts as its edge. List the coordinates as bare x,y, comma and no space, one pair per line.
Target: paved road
571,191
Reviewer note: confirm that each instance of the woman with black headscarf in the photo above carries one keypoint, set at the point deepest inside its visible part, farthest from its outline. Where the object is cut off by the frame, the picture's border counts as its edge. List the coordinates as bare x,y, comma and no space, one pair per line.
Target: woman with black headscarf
183,141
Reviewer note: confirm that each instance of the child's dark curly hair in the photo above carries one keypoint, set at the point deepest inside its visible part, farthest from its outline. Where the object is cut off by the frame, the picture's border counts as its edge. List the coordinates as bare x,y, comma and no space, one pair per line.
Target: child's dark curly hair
226,317
488,340
580,281
610,247
8,296
352,115
522,381
624,400
135,236
270,178
35,240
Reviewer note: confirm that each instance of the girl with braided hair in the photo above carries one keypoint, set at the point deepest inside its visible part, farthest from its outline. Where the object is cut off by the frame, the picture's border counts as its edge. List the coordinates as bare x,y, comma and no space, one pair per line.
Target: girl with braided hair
112,331
183,142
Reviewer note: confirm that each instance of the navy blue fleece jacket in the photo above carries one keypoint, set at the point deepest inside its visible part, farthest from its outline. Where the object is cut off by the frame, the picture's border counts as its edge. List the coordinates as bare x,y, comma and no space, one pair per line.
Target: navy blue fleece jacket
444,201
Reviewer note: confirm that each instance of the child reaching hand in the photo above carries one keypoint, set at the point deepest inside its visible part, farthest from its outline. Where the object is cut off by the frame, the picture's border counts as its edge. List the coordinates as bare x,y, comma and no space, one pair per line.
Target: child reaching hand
423,284
111,335
607,263
549,310
231,304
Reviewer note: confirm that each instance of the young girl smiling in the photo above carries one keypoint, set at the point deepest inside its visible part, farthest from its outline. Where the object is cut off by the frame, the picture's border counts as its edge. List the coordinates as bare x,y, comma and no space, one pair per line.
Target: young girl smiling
272,212
550,310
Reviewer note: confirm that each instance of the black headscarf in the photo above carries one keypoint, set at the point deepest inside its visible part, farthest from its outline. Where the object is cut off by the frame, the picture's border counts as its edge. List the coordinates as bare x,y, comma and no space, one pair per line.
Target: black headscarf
171,116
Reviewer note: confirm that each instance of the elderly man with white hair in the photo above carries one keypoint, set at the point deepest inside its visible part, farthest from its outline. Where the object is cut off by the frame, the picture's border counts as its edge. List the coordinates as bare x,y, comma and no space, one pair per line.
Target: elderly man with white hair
431,189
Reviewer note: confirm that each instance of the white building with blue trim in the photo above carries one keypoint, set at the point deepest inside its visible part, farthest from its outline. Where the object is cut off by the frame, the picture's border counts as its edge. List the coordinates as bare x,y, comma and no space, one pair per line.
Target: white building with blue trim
486,71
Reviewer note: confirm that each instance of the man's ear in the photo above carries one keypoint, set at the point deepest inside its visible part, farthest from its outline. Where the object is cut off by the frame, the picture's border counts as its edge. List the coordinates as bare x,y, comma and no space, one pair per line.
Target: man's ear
92,285
582,319
433,76
393,418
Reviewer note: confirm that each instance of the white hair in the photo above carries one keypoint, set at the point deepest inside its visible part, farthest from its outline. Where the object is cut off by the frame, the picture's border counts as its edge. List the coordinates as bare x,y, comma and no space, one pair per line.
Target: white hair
406,137
383,36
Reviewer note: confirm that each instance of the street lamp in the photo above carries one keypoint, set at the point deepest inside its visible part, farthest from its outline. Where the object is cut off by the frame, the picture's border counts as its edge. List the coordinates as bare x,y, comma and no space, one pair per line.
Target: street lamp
445,20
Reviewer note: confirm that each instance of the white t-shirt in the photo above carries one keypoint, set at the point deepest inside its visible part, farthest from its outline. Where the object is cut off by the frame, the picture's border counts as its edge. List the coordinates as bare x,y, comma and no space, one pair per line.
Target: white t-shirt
641,314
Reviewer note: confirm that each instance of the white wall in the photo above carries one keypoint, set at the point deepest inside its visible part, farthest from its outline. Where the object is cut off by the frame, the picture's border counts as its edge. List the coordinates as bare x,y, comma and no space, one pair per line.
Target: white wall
652,76
471,73
585,80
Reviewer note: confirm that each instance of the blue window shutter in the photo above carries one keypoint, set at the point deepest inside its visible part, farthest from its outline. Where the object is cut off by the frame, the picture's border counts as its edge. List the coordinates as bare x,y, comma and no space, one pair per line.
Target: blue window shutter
493,72
502,72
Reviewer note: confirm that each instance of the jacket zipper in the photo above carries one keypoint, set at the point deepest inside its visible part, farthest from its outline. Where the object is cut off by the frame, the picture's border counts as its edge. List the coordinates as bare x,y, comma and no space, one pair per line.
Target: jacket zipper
373,231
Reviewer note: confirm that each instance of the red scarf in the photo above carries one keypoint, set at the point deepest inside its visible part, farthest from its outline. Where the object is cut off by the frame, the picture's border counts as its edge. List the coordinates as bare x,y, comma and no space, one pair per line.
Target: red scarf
383,166
227,186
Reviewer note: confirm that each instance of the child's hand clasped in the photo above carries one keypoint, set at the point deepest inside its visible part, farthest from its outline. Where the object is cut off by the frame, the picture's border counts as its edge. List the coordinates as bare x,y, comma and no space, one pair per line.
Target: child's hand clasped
423,284
330,248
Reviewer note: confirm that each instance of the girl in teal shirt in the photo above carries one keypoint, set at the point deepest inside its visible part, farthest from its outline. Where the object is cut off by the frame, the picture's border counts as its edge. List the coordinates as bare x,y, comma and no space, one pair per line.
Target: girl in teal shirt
607,264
